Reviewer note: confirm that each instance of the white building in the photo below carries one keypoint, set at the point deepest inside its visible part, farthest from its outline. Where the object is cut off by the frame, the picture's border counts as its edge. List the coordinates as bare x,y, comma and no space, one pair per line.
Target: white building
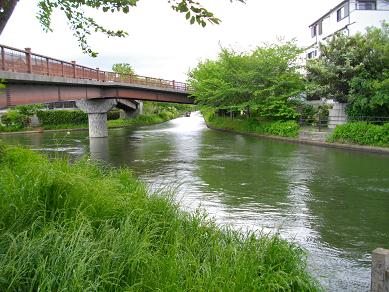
350,17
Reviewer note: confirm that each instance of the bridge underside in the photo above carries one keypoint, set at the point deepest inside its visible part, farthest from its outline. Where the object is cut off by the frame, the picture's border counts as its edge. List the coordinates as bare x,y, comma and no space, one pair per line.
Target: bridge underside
20,94
22,88
94,97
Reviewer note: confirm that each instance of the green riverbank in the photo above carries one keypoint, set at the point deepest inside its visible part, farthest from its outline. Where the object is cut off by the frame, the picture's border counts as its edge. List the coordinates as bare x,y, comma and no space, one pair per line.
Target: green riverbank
351,136
86,227
141,120
251,125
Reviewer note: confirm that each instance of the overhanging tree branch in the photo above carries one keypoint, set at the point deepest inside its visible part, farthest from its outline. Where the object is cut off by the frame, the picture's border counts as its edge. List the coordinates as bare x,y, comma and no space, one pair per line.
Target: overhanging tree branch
6,9
83,26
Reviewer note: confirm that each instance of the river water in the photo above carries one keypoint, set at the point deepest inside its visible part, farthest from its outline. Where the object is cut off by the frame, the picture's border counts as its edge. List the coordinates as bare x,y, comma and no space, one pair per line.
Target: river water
334,203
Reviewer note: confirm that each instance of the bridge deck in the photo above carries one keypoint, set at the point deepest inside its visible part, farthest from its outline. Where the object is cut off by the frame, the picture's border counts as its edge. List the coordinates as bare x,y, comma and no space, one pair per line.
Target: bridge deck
34,78
24,61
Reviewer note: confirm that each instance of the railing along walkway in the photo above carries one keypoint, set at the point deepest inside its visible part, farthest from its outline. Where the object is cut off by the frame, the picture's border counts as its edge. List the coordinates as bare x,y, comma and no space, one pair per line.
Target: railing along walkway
24,61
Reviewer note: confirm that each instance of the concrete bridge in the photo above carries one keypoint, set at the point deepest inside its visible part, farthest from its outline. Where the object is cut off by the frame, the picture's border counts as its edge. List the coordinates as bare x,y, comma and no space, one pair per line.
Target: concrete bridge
32,78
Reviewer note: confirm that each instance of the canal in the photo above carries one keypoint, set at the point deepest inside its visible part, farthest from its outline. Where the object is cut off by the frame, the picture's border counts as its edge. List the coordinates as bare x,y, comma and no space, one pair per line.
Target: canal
334,203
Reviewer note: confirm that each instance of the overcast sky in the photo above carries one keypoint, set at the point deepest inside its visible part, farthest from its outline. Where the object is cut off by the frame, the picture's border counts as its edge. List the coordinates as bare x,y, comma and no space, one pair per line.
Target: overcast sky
161,43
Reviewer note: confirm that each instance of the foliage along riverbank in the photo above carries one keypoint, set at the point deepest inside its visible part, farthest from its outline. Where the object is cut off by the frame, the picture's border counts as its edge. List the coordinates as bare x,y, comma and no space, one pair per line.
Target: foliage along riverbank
252,125
141,120
270,83
19,118
80,227
361,133
351,136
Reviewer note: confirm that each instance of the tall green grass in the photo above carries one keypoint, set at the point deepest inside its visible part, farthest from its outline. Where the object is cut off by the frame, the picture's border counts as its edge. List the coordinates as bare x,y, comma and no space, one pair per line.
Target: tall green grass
82,227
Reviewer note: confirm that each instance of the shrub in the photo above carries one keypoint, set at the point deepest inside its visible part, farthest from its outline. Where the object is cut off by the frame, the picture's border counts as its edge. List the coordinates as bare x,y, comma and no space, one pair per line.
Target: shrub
362,133
19,117
15,120
306,111
57,117
252,125
284,129
113,115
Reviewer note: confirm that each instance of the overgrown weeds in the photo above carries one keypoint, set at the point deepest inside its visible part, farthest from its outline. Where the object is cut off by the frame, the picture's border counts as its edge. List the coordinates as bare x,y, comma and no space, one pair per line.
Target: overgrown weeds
81,227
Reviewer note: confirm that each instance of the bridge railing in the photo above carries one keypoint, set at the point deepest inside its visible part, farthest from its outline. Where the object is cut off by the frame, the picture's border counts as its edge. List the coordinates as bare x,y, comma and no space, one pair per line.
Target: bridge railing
24,61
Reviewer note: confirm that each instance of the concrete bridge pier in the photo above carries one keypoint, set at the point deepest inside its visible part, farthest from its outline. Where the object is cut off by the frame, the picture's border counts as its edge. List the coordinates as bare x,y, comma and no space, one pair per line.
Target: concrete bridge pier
129,109
130,113
97,115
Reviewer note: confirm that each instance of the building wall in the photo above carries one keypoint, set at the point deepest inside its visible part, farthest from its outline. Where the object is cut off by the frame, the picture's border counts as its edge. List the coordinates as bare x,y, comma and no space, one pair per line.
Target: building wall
383,5
356,21
361,19
331,25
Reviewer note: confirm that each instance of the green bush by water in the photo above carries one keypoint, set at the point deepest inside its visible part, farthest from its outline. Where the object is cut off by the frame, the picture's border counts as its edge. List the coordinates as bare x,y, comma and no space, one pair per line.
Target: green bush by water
284,129
18,118
361,133
80,227
58,117
253,125
68,117
146,119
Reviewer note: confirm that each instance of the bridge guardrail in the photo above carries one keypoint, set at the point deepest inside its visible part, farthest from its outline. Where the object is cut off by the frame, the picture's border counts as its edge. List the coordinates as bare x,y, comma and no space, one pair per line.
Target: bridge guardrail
24,61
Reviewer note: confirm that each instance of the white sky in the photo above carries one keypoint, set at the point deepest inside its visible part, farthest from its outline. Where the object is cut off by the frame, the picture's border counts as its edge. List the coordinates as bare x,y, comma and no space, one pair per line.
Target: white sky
161,43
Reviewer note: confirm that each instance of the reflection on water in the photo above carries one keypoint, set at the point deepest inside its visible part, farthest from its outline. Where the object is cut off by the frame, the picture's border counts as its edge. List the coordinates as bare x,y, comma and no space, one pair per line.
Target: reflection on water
333,202
98,149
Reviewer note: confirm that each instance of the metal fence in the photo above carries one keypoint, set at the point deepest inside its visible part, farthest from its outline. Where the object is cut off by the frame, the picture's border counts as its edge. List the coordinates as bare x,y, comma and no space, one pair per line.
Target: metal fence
24,61
313,122
373,120
322,123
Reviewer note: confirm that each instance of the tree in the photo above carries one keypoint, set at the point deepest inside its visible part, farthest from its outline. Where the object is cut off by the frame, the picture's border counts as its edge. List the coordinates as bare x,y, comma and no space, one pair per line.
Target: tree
262,81
83,25
354,70
6,10
20,116
123,68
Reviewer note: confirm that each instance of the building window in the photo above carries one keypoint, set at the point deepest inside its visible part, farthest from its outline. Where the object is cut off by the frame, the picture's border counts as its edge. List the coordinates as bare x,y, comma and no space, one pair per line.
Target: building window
342,12
366,5
312,54
320,28
314,30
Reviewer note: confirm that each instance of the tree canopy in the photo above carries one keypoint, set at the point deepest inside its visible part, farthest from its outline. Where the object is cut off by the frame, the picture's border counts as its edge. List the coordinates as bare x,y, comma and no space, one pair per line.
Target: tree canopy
83,25
123,68
354,70
263,81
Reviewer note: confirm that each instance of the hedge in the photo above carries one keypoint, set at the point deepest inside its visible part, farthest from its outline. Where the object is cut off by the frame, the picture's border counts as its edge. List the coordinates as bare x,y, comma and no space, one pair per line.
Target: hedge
75,117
